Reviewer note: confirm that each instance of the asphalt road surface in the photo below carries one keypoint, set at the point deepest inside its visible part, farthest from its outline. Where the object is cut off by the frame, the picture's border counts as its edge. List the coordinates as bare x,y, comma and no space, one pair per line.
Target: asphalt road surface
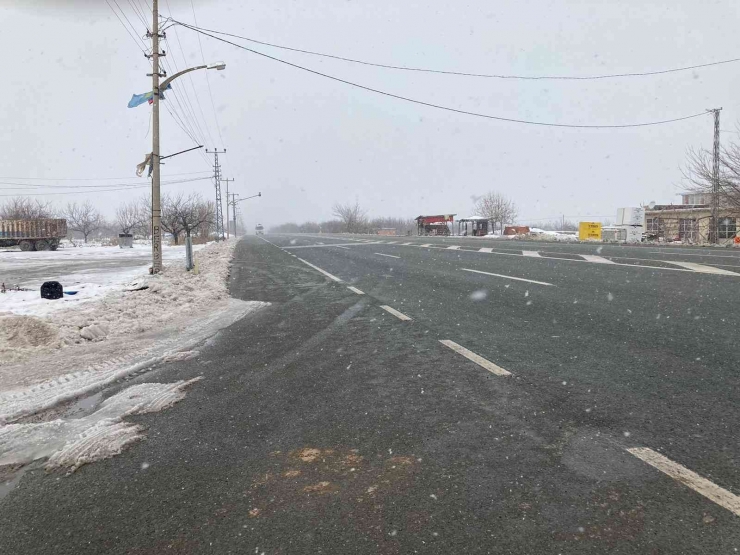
417,395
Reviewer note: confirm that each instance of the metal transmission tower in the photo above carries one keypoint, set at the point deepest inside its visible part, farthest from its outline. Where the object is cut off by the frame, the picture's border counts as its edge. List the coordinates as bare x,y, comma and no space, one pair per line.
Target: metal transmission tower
714,220
219,208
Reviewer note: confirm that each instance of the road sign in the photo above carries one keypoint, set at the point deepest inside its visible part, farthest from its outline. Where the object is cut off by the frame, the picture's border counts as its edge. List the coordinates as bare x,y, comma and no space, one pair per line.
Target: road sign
589,231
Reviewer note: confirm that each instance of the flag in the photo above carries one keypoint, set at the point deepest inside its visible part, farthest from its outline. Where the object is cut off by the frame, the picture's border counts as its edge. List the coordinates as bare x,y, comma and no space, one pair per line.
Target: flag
139,99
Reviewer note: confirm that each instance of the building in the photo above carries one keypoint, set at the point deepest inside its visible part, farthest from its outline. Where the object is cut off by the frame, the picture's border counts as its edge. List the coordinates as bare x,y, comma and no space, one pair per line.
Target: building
690,221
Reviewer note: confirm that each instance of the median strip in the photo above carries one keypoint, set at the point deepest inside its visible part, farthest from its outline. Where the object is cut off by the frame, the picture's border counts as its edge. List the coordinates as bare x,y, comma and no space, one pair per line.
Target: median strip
691,479
508,277
327,274
399,315
479,360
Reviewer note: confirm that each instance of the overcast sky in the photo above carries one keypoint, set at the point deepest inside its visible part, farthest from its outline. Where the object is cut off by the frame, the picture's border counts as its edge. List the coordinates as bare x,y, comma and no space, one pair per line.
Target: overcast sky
305,142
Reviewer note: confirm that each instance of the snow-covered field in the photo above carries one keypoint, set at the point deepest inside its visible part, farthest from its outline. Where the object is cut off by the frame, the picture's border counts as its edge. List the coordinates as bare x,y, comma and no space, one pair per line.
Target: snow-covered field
48,356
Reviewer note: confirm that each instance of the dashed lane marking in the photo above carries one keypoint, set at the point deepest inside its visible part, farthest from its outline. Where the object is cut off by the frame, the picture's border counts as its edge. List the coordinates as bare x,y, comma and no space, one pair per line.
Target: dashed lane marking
399,315
406,244
391,242
485,249
453,248
508,277
342,247
426,245
327,274
479,360
388,255
703,269
597,259
691,479
532,254
355,290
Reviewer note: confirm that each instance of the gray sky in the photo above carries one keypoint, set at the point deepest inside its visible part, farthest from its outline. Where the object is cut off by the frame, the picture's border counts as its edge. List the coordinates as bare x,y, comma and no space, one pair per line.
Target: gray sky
306,142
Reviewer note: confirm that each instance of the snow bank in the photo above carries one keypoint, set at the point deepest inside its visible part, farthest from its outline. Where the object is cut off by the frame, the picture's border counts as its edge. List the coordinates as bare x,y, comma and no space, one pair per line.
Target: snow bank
44,361
71,443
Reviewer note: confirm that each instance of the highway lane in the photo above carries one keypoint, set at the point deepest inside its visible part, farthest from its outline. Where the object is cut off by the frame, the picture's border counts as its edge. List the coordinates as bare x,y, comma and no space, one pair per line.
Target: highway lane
328,424
650,351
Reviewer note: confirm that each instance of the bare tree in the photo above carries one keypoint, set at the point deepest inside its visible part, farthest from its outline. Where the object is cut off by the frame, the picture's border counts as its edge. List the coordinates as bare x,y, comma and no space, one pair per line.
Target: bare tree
24,208
129,216
352,216
195,214
497,208
698,170
171,207
83,218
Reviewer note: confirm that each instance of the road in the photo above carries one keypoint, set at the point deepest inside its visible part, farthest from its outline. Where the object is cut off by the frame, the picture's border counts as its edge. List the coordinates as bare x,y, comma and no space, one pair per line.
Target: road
421,395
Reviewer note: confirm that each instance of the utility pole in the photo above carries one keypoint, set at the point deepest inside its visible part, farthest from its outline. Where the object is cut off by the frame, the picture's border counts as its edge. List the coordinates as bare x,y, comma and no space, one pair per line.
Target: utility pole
156,200
228,226
714,220
219,206
233,206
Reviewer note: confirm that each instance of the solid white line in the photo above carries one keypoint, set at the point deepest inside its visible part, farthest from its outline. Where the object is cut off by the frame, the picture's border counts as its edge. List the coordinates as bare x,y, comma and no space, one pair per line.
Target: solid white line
454,248
342,247
426,245
395,313
597,259
355,290
485,249
703,269
327,274
508,277
406,244
479,360
533,254
388,255
691,479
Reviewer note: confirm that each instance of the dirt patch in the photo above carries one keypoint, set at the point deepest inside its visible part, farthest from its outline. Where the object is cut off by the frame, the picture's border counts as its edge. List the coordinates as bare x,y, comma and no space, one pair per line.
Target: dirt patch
25,333
321,487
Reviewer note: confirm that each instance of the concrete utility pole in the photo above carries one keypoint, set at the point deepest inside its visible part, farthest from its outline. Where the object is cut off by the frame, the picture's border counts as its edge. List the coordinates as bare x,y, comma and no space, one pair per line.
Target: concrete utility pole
714,220
219,203
228,226
156,200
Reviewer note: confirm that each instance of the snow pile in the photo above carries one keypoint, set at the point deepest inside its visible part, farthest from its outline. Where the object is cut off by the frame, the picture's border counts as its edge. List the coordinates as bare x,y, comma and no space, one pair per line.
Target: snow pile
71,443
76,351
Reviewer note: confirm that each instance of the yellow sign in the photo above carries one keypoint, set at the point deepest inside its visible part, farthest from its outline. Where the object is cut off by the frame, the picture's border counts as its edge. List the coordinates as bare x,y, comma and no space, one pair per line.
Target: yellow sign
589,230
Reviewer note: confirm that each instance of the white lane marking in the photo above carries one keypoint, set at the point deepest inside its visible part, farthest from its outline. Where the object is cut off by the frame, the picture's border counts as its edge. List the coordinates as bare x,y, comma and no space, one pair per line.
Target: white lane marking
388,255
391,242
330,245
533,254
426,245
479,360
669,253
597,259
485,249
342,247
508,277
406,244
453,248
327,274
399,315
691,479
355,290
703,269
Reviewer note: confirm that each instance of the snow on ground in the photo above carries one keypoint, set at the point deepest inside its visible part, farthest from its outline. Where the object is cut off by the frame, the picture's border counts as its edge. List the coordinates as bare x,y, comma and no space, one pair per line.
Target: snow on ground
89,272
69,444
68,352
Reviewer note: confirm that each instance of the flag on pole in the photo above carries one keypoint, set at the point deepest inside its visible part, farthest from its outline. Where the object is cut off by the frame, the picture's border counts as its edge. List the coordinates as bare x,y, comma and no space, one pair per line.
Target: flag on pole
139,99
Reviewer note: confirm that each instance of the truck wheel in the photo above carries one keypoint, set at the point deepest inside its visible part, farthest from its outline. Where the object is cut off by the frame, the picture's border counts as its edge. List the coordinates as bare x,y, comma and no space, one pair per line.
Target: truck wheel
26,245
54,245
42,245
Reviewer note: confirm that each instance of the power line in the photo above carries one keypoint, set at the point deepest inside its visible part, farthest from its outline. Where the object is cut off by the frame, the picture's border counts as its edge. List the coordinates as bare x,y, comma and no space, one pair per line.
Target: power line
96,178
208,81
133,37
445,108
106,190
465,74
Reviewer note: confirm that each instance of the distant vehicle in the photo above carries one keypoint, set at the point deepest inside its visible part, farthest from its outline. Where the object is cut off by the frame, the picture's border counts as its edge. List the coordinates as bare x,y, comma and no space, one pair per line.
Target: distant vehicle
32,235
259,230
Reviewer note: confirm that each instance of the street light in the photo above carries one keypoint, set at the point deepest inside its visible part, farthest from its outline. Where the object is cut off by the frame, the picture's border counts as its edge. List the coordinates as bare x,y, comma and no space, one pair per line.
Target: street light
233,203
157,88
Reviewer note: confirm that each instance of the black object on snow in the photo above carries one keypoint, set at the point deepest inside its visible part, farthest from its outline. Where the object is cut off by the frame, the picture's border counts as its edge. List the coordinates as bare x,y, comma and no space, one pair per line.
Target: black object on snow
52,290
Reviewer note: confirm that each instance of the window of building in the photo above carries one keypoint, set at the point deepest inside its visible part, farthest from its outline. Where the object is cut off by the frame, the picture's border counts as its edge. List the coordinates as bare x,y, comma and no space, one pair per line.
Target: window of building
727,228
655,225
688,229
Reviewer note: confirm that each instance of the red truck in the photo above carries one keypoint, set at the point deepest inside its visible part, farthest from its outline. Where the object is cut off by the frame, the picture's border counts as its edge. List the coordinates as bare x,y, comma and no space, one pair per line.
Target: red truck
33,235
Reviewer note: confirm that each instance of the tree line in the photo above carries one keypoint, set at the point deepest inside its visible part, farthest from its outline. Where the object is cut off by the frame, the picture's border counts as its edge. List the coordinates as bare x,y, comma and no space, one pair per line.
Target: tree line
182,215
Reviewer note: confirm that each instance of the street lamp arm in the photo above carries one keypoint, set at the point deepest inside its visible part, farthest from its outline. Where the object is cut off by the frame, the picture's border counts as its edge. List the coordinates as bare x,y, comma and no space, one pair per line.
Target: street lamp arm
164,84
247,198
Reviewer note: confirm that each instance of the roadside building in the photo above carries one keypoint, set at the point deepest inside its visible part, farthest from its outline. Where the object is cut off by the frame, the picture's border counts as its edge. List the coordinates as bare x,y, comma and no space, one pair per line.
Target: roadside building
689,221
